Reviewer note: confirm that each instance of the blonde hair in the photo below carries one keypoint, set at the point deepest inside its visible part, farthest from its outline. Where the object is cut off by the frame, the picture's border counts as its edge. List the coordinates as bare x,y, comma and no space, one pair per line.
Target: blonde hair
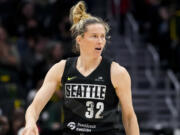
80,19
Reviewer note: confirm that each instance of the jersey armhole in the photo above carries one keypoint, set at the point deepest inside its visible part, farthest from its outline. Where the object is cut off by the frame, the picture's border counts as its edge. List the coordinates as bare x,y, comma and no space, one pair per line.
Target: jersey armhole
69,63
110,75
109,63
64,72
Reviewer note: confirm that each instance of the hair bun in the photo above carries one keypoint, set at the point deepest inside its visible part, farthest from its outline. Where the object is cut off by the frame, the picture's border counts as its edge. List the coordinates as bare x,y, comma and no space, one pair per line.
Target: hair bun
78,12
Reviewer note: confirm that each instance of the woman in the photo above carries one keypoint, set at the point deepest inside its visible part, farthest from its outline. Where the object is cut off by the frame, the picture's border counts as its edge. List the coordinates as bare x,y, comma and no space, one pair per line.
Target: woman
92,85
9,57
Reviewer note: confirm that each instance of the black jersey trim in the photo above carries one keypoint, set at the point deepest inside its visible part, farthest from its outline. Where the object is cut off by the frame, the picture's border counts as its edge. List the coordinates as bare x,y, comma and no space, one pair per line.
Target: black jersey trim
68,63
93,72
109,63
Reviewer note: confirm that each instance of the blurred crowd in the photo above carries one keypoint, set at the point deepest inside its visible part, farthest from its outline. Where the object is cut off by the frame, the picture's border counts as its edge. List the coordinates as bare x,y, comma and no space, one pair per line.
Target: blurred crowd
159,25
159,22
34,34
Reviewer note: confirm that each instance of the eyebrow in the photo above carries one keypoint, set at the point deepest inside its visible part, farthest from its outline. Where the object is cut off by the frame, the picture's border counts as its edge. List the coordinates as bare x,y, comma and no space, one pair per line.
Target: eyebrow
99,33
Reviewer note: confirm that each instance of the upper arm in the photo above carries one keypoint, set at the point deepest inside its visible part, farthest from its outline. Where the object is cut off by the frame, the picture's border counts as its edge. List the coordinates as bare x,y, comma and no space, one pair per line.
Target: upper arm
51,81
122,84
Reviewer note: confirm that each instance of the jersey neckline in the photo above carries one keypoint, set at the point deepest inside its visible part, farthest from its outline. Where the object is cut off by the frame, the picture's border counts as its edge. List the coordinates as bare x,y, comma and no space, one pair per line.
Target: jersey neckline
91,73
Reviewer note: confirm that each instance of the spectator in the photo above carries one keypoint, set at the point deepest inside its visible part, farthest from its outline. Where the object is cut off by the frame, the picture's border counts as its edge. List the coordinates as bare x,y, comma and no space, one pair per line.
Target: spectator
26,47
6,11
163,36
56,53
26,21
120,9
63,34
4,125
40,62
124,8
18,120
9,56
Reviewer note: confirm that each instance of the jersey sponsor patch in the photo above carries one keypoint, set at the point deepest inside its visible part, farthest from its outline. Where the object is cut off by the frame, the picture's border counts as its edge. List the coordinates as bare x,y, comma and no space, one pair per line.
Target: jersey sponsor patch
83,127
71,125
85,91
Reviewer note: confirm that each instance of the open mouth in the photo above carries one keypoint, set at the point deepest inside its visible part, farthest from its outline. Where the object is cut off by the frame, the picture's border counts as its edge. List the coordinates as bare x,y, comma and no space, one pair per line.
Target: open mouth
98,48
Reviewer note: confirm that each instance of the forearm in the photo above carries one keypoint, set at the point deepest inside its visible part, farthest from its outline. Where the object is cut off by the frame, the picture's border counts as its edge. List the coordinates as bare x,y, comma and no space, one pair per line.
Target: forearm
42,97
131,125
31,115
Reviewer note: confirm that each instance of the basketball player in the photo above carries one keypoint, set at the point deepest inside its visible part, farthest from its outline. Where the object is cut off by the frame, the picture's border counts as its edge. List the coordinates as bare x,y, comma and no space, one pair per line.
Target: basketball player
92,85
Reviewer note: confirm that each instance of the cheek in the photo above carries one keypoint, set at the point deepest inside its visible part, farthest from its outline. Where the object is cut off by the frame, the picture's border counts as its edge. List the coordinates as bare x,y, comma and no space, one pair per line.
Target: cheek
86,46
104,43
89,44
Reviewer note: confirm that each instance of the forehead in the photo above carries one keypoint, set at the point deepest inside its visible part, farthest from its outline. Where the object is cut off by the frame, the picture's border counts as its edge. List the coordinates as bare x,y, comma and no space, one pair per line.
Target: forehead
96,28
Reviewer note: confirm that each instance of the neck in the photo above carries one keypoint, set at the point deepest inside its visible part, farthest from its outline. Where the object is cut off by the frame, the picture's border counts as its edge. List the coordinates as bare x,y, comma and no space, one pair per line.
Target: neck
88,62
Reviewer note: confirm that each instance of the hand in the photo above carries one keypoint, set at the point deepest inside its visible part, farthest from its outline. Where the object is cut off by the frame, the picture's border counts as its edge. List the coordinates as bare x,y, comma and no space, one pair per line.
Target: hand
30,130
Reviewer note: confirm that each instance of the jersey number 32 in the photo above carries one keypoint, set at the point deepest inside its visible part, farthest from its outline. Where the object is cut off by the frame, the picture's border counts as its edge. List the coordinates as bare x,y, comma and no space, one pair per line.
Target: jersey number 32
91,107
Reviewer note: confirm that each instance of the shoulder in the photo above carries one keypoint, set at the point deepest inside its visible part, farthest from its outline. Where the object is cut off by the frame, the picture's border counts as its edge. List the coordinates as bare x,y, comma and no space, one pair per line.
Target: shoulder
56,71
119,74
62,63
116,68
59,66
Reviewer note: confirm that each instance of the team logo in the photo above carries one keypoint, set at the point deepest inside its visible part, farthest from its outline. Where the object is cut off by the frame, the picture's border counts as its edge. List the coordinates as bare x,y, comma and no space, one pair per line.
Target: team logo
71,125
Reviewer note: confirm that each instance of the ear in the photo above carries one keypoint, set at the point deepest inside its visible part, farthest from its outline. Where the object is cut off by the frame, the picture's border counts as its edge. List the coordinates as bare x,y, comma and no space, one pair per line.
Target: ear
78,39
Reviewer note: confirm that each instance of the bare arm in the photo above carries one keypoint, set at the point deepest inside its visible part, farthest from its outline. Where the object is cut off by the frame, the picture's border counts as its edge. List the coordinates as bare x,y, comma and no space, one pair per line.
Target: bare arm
52,80
122,83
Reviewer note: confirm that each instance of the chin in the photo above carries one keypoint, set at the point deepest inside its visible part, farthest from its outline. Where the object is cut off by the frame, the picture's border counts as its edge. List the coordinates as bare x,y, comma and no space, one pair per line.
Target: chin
97,55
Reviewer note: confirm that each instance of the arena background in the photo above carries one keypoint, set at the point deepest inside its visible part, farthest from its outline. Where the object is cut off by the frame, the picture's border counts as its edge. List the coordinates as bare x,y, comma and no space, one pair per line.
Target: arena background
34,34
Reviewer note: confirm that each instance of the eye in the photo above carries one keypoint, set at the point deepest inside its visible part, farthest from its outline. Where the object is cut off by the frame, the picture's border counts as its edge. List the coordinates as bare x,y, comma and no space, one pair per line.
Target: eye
102,36
95,36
